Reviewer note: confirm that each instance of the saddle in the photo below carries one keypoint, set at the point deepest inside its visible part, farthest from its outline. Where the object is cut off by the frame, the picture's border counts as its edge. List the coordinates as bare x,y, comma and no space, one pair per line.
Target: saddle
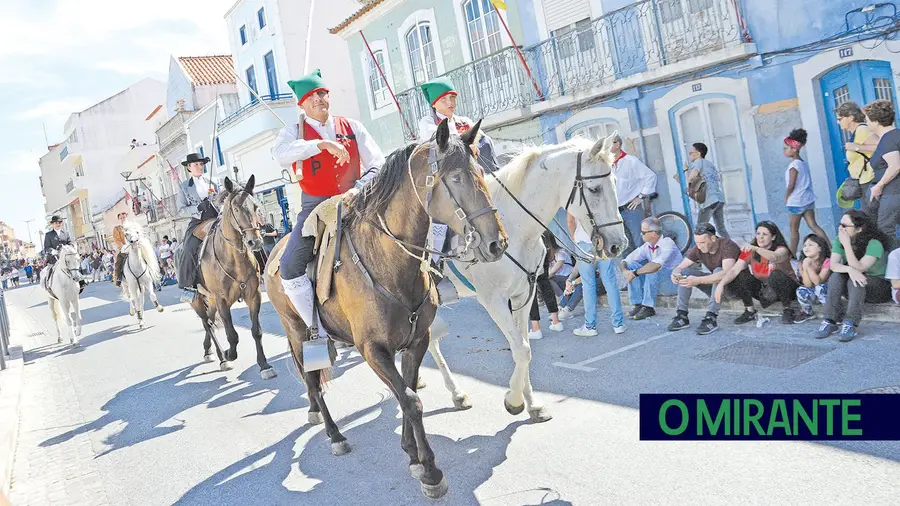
203,229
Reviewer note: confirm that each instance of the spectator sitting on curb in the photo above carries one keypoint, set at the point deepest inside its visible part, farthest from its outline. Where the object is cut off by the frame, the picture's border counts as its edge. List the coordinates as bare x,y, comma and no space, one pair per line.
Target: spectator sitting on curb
718,256
893,274
648,269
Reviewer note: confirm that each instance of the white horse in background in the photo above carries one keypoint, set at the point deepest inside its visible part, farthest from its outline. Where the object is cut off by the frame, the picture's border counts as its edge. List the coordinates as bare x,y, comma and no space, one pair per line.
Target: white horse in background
61,284
543,179
140,273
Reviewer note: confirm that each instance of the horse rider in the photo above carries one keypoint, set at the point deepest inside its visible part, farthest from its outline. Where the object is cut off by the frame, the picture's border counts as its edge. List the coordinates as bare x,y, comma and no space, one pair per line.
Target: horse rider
53,240
119,241
194,201
441,95
328,154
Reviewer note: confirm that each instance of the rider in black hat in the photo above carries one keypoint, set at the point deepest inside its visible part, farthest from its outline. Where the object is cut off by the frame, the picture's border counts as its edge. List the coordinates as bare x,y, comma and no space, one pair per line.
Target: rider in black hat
194,202
53,240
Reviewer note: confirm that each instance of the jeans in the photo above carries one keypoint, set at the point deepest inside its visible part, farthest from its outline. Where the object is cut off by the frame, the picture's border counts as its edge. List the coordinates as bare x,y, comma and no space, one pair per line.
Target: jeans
607,269
632,219
643,289
715,212
298,251
807,296
684,292
876,291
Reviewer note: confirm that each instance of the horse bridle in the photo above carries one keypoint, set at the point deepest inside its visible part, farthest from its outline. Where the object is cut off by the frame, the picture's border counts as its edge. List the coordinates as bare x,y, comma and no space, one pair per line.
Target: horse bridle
235,224
578,186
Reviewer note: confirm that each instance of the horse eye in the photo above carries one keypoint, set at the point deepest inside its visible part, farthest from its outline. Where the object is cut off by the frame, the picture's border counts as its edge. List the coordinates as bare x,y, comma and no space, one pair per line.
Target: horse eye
456,178
594,189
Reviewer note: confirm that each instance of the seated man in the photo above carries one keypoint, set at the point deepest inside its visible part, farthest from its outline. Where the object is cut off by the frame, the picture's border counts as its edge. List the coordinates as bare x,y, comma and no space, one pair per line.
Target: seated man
648,269
893,273
718,255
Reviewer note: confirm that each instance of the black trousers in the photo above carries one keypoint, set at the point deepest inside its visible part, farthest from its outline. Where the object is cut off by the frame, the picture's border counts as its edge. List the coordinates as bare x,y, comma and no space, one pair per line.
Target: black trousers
545,291
188,271
746,287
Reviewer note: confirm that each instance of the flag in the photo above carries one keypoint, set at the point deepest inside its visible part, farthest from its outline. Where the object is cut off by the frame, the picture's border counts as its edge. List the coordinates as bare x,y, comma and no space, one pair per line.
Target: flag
499,4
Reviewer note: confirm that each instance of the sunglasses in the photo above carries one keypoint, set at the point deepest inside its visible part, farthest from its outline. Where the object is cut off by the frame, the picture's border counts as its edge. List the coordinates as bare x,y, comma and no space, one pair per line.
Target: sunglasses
645,232
844,225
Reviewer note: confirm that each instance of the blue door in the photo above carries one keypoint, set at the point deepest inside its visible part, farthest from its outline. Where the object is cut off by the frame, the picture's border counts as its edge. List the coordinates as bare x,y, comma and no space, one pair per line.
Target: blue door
269,60
251,82
861,82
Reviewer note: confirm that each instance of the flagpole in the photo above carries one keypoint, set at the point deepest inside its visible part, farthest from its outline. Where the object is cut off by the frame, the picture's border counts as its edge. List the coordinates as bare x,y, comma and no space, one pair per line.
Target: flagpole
387,83
312,5
519,52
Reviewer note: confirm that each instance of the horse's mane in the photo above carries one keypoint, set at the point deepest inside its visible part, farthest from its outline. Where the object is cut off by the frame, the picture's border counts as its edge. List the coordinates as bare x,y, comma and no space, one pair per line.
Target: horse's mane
377,194
513,173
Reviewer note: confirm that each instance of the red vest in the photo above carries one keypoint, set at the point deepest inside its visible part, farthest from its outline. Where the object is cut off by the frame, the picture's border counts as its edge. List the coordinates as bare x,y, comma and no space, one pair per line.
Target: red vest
322,176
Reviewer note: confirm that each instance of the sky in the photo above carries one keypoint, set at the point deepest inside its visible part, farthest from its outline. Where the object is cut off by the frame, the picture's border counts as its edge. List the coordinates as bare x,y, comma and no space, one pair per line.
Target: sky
63,56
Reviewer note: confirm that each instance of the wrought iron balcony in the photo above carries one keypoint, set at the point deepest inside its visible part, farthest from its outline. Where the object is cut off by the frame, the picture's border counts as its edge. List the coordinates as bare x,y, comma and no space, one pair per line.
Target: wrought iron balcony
231,118
641,37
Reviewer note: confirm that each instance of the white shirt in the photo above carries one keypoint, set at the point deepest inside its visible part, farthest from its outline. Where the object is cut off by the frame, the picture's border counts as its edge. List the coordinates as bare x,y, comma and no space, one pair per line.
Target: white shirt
427,128
803,193
165,251
203,184
632,179
664,253
893,270
290,147
566,258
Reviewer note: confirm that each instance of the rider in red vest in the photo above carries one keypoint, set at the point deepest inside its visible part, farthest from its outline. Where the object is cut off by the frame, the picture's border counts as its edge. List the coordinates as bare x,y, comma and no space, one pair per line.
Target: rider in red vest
330,155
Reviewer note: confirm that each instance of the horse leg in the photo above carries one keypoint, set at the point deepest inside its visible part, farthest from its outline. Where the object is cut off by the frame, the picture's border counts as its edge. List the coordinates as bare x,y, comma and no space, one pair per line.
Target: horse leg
253,302
225,315
55,309
460,398
76,310
207,317
381,360
137,298
155,300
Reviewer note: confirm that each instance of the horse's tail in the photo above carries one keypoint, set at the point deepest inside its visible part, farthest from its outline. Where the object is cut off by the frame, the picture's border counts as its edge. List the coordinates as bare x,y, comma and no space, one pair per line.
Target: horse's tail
150,259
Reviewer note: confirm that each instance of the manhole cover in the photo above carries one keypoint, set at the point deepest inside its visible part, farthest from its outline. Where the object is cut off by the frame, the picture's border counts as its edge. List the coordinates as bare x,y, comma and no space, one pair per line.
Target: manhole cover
765,354
881,390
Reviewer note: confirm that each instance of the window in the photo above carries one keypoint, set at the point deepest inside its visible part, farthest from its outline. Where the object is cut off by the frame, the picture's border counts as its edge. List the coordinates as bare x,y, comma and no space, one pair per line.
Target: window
73,137
261,16
603,128
79,170
63,153
200,150
251,82
271,78
842,95
85,211
882,88
377,85
421,53
484,28
575,38
243,32
219,153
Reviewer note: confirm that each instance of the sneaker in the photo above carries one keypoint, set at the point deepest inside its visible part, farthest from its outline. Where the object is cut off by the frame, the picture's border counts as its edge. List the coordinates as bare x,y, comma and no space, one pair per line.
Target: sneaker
585,331
565,313
708,325
787,316
747,316
634,312
535,334
826,329
679,322
556,327
619,330
644,313
803,316
848,331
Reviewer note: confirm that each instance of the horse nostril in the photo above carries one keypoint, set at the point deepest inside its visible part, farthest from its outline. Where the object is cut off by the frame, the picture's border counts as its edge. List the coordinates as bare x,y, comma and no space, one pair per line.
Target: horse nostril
614,249
496,248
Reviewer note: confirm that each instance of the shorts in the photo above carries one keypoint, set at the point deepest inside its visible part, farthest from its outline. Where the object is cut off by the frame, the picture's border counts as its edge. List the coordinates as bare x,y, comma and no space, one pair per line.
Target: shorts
799,210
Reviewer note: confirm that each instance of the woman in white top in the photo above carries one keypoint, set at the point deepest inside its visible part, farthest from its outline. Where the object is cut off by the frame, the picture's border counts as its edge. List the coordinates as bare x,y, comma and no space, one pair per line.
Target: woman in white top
799,197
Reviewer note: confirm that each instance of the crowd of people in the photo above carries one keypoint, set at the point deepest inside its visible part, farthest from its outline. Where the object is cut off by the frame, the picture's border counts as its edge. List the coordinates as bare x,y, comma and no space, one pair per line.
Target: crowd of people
858,264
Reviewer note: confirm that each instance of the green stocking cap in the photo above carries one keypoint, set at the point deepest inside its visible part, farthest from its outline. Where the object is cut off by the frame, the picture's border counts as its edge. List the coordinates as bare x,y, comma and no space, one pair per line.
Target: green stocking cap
435,89
307,85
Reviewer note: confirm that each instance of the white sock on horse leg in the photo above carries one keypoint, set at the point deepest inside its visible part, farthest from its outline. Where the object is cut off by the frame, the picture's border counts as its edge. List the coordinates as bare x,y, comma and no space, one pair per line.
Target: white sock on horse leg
299,291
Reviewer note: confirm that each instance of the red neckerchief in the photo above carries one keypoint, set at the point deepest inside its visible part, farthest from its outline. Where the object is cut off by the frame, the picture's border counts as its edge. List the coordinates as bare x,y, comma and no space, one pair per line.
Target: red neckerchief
461,126
622,155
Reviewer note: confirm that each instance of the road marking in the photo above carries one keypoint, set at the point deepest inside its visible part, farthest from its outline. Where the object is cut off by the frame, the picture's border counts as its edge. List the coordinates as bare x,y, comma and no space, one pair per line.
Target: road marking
582,366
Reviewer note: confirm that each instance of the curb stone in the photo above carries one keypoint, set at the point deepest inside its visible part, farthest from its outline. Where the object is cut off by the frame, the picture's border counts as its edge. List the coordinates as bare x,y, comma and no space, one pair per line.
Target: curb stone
10,394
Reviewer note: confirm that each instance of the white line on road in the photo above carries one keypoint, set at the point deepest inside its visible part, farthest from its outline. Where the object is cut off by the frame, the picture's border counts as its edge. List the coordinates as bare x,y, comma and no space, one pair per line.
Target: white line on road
581,366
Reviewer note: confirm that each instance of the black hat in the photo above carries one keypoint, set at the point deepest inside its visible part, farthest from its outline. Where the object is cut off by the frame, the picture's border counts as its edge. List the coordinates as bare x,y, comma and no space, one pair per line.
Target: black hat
56,219
194,157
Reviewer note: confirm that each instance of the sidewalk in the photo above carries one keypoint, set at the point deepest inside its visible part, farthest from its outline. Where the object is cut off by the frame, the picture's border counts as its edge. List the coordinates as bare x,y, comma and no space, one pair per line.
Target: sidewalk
10,396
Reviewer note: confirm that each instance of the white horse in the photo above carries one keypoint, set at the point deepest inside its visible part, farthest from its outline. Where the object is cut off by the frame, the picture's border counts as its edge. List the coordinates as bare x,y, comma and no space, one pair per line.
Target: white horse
61,284
140,273
543,179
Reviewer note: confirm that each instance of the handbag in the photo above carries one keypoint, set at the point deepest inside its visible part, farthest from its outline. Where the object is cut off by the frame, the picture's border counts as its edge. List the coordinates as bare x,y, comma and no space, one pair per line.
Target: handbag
696,186
851,189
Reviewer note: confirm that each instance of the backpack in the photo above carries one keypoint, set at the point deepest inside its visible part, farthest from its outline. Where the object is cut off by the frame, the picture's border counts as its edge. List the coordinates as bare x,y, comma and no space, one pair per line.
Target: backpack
696,186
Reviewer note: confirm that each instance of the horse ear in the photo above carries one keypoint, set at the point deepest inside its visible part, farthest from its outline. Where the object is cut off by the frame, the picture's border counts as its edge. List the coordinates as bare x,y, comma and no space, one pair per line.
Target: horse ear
469,137
250,184
229,186
603,146
443,135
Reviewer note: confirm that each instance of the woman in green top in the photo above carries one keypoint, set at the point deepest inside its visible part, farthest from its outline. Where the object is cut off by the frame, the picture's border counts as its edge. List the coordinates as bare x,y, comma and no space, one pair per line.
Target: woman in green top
858,264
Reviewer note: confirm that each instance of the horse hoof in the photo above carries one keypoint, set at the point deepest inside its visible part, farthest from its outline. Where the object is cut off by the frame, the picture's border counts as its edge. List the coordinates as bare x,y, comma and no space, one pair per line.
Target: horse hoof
315,418
421,384
417,471
159,309
267,374
341,448
513,410
225,365
462,402
59,340
141,325
231,355
435,491
131,312
540,415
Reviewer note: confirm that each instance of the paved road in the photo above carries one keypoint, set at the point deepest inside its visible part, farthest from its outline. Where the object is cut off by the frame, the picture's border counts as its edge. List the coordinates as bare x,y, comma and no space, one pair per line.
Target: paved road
135,418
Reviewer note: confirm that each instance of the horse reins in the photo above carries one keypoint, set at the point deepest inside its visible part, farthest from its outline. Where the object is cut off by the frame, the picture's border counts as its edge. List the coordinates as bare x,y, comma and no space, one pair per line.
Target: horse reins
241,249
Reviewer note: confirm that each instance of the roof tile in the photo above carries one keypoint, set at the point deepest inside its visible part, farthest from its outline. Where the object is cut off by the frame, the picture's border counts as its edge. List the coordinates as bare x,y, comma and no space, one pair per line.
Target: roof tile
356,15
208,70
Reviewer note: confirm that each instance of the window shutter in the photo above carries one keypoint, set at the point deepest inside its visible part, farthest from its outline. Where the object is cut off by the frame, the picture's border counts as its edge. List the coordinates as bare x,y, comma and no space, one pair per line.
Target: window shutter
560,13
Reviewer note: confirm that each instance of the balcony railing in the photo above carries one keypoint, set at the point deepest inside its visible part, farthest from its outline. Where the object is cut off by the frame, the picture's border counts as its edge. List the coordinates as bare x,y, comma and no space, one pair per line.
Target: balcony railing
231,118
172,128
643,36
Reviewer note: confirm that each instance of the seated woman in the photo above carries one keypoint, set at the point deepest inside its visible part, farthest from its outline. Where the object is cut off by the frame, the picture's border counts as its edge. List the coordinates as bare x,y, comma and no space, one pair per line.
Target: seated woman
815,268
545,290
762,272
858,264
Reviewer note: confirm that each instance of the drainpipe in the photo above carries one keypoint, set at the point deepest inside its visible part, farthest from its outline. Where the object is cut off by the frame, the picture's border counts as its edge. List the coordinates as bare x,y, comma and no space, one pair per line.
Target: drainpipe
631,96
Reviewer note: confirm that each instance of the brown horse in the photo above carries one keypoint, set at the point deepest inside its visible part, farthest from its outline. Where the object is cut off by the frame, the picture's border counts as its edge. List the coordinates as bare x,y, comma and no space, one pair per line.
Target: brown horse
230,273
383,299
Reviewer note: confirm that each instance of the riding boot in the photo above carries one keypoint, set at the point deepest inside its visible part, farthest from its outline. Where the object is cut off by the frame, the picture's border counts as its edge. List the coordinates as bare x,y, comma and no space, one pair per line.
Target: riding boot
300,291
119,268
